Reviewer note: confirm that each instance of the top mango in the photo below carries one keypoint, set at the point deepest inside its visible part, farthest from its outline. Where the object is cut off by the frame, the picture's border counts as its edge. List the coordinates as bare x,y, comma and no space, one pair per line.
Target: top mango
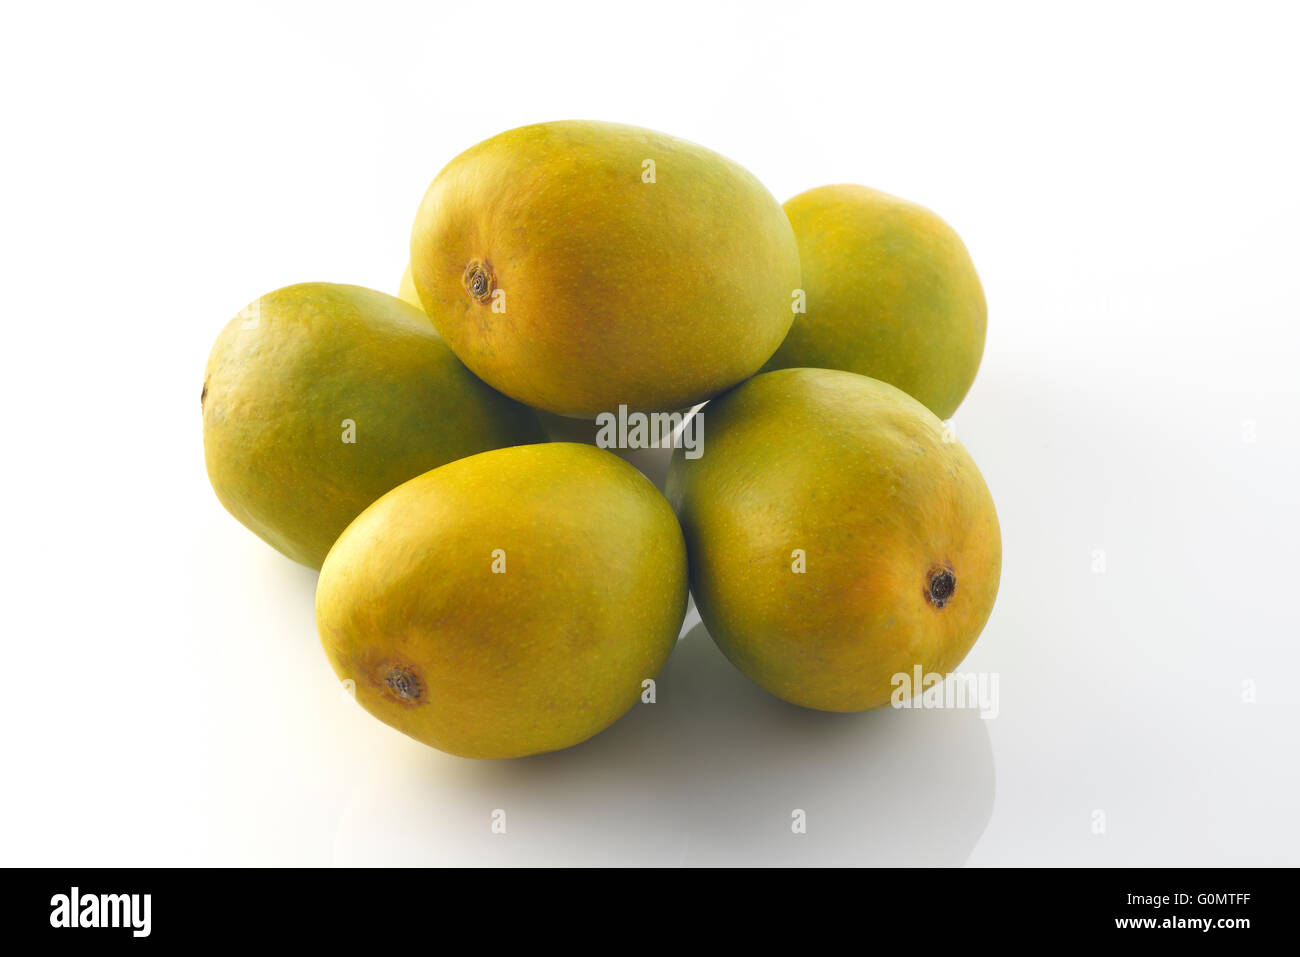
578,266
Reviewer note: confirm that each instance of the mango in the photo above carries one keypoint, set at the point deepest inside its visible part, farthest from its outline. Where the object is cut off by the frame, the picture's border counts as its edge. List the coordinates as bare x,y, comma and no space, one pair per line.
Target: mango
319,398
406,290
891,294
577,266
838,536
507,604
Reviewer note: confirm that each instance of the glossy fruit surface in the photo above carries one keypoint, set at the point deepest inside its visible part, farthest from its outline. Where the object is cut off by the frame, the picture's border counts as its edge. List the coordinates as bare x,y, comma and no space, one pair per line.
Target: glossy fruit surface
838,537
891,294
507,604
577,266
319,398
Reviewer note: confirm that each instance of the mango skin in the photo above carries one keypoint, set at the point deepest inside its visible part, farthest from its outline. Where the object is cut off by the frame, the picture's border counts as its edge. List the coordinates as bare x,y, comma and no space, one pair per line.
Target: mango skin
290,368
892,294
858,475
537,658
406,290
617,291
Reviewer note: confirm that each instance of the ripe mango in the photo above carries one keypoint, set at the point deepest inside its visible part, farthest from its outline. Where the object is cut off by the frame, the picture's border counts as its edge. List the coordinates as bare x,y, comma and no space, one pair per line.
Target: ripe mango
319,398
838,536
891,294
406,290
577,266
507,604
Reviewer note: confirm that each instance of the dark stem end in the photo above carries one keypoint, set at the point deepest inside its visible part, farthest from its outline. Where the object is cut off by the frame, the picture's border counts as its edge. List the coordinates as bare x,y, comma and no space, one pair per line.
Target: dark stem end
940,583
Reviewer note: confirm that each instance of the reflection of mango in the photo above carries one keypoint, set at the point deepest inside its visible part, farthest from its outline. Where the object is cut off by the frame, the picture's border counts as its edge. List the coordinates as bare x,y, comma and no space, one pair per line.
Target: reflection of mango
507,604
837,537
578,266
892,294
319,398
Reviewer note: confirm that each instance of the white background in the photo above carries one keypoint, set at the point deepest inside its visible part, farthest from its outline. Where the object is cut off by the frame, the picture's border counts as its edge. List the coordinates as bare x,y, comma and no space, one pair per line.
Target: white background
1125,178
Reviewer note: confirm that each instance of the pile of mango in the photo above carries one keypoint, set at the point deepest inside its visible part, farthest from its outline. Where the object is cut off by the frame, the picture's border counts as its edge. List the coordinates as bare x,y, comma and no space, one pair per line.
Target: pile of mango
494,593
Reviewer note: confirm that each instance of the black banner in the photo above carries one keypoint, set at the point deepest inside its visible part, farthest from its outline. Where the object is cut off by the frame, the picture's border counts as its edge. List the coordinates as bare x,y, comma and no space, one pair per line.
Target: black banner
371,906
